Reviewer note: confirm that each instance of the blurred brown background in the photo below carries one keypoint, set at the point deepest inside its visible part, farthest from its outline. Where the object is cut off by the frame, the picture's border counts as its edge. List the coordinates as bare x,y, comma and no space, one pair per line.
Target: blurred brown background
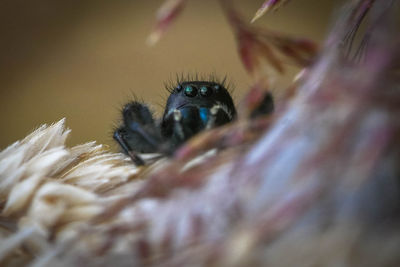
83,59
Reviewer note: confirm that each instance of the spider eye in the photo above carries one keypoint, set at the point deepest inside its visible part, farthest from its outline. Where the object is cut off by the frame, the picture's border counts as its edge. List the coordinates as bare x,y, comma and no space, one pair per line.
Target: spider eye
178,88
217,88
205,91
190,91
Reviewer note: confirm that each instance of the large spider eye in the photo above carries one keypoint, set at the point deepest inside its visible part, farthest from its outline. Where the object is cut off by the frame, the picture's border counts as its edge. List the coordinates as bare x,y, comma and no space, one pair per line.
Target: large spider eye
205,91
190,91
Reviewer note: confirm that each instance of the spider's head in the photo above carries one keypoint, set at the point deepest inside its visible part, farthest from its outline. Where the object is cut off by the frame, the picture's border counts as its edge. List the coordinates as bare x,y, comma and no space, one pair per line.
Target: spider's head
197,105
200,94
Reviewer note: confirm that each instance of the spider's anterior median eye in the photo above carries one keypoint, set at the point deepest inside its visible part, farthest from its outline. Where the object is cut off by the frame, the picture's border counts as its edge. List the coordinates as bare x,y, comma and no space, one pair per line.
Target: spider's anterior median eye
205,91
190,91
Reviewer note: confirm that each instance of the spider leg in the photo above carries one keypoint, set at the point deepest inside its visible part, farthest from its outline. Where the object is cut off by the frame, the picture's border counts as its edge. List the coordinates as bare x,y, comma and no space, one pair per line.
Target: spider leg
181,131
120,138
187,122
138,133
137,128
265,107
140,127
215,116
178,127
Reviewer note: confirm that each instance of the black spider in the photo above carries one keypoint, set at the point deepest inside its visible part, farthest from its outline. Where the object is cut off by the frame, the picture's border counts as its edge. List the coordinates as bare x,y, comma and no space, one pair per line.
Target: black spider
191,107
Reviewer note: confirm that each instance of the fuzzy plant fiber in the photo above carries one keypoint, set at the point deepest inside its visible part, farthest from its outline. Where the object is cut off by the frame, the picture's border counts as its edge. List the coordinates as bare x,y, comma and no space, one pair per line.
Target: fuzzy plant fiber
315,184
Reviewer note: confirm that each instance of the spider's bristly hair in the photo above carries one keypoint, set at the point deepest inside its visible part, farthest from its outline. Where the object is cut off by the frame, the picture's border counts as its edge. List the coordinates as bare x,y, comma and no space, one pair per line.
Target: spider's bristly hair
138,112
204,103
132,97
196,77
136,116
169,86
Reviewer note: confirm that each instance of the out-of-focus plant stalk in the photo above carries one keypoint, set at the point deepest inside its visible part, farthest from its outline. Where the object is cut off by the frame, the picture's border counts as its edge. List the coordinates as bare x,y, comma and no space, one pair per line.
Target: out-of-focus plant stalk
166,14
267,6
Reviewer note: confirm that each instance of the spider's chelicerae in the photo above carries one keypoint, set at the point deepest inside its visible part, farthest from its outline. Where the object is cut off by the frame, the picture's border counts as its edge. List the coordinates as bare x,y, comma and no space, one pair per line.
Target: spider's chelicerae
192,106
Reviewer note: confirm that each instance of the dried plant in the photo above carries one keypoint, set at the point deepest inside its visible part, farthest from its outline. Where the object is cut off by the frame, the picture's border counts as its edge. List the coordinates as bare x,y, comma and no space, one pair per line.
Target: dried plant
259,49
267,6
316,184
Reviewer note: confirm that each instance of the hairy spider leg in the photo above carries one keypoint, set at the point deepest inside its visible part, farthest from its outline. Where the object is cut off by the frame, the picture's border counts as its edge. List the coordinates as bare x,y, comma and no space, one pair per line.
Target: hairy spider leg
216,116
187,122
142,134
265,107
177,116
179,126
137,128
119,137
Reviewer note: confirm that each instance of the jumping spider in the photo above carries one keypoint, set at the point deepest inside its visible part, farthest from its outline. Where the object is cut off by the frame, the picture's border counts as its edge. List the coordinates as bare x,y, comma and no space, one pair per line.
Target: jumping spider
192,106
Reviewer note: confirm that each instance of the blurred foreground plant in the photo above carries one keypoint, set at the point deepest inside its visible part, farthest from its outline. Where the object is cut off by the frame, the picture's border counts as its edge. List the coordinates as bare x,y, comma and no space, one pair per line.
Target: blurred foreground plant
316,184
259,48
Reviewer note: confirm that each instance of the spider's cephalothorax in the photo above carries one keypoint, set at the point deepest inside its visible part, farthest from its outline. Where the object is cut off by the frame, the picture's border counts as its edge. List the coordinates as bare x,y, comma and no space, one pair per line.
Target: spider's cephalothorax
194,106
191,107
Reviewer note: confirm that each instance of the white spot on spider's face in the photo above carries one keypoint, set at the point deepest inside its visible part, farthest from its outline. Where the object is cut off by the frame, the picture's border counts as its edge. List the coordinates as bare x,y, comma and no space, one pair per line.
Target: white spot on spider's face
177,115
214,110
225,108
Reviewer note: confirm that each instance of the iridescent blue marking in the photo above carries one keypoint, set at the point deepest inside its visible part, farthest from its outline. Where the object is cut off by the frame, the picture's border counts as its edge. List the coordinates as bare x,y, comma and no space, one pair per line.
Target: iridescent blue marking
204,115
185,112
